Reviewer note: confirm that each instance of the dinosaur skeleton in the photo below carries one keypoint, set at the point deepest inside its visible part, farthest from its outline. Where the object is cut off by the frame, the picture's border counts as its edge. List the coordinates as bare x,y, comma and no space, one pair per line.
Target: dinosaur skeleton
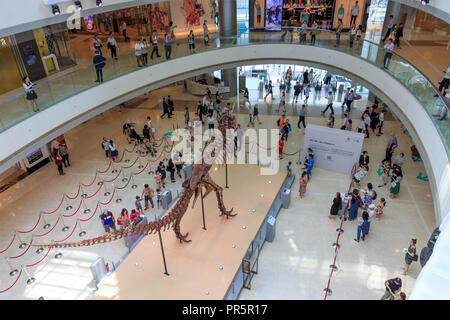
198,179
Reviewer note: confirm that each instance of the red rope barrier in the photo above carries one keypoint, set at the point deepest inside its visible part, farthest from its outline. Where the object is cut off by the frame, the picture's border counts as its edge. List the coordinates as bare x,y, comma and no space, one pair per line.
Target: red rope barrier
71,215
9,244
109,166
118,174
90,184
13,283
44,234
33,227
45,256
290,154
131,164
91,215
76,196
131,149
24,251
88,197
135,174
112,196
123,153
339,234
56,208
69,234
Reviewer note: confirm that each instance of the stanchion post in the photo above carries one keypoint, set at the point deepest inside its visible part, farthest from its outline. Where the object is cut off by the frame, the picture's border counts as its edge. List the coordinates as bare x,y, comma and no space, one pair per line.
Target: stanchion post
203,209
82,232
84,194
13,272
124,179
46,225
162,251
65,228
114,170
86,209
22,244
134,185
30,280
68,206
118,200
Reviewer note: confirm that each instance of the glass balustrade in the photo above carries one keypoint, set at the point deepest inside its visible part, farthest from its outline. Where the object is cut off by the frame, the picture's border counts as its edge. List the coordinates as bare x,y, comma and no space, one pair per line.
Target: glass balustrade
17,108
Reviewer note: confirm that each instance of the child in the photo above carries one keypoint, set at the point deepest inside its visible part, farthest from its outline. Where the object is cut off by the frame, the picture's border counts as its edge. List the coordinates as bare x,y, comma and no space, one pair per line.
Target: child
158,196
380,207
280,147
158,179
135,216
288,168
138,203
371,210
361,173
349,125
250,121
303,181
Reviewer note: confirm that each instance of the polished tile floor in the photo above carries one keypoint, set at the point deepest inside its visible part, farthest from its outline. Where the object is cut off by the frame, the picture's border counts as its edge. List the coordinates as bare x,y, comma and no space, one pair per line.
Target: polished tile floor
294,266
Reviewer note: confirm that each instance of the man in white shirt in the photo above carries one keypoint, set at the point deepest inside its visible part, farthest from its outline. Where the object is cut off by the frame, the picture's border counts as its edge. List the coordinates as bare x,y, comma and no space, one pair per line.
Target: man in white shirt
112,45
344,122
138,52
239,134
367,124
380,122
389,47
354,12
330,103
390,26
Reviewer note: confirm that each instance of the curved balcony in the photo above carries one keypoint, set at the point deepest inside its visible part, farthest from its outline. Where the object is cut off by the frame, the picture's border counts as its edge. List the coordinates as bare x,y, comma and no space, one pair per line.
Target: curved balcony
73,98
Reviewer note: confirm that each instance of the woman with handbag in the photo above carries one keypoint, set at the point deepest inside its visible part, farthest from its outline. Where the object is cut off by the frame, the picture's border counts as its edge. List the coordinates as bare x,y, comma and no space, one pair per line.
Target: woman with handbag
395,185
336,206
410,255
30,93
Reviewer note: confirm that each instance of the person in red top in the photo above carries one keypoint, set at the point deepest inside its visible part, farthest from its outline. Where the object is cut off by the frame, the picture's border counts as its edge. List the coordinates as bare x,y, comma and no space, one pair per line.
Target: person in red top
134,214
280,147
59,162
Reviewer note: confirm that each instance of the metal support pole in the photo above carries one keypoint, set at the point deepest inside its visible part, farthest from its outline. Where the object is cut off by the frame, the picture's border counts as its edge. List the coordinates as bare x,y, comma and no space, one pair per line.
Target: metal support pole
84,194
46,225
162,251
203,209
86,209
13,272
118,200
124,179
67,204
22,244
82,233
114,170
134,185
30,280
65,228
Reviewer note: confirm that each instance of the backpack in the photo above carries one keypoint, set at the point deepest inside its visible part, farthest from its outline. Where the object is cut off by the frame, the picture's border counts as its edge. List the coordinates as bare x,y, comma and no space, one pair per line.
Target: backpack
374,195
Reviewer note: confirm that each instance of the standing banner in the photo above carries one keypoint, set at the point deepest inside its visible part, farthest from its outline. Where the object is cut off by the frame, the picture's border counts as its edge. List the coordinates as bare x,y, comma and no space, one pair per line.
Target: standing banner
334,149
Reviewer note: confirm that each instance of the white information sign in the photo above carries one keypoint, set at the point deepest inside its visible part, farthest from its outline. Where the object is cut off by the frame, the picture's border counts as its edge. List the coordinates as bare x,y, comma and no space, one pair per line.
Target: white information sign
334,149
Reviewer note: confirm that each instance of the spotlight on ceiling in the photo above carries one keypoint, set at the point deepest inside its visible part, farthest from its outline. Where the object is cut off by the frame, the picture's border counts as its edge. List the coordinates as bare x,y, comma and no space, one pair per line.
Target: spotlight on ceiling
425,2
55,10
99,3
78,5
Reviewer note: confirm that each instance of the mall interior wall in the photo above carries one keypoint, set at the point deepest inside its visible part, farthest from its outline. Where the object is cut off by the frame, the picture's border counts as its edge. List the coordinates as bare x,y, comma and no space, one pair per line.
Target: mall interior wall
21,15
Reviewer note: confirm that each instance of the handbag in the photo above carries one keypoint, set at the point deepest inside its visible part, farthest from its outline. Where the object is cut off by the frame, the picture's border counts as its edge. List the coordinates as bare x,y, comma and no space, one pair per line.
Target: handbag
393,184
415,257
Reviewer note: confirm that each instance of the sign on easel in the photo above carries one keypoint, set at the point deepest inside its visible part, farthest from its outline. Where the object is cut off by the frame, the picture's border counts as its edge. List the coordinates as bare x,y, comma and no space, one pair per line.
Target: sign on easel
334,149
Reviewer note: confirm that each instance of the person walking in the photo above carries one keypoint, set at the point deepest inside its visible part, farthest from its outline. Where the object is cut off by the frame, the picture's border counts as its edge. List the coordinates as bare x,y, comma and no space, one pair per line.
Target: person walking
389,27
282,102
112,46
309,166
302,115
349,100
367,122
330,103
200,111
98,44
346,94
191,42
269,90
297,91
30,93
363,227
410,255
354,12
64,153
246,98
162,170
393,287
380,122
391,145
288,29
307,91
165,107
256,113
205,33
112,150
352,35
280,147
398,34
384,172
239,136
148,194
99,64
154,40
171,105
124,30
167,45
336,206
388,47
105,146
144,51
138,53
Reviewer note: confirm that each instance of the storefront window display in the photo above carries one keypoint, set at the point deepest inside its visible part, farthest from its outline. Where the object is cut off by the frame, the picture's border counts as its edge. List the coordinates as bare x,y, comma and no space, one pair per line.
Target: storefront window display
191,14
319,11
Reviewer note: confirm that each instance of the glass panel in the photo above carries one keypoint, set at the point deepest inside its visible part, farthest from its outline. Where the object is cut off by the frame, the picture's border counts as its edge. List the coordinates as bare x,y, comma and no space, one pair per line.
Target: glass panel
18,108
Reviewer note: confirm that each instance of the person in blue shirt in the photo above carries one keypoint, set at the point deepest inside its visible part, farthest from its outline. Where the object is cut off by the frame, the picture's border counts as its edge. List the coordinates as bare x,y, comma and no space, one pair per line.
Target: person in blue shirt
309,166
99,64
288,168
108,220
